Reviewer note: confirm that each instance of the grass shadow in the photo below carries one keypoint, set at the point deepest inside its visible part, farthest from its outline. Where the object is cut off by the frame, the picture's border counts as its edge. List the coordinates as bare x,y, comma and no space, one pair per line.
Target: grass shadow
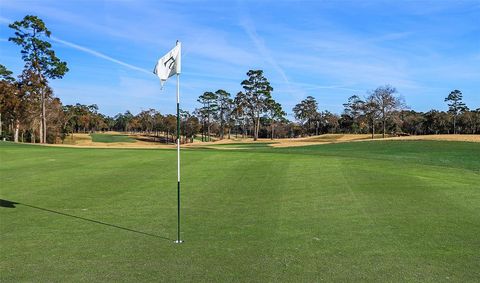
11,204
7,203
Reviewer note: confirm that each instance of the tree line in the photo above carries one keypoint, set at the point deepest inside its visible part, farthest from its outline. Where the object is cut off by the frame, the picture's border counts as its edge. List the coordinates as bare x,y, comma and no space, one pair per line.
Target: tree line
383,111
249,113
29,111
254,113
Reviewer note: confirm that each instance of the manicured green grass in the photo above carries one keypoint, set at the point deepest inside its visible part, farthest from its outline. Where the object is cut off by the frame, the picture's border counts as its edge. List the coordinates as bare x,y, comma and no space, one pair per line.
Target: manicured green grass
108,138
366,211
250,145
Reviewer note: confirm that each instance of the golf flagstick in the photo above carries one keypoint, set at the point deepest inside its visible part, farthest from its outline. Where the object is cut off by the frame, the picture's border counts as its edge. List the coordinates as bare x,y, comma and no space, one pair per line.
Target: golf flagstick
167,66
178,241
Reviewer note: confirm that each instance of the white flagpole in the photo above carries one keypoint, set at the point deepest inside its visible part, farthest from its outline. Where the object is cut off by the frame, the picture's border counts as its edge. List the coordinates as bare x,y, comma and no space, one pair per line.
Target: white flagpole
178,241
164,72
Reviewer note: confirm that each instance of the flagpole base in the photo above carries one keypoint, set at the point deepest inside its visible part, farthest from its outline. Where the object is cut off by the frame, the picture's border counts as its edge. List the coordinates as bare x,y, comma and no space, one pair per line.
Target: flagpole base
178,241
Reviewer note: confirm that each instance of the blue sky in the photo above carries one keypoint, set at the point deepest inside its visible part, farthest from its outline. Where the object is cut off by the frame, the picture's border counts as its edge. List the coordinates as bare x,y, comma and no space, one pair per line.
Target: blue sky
326,49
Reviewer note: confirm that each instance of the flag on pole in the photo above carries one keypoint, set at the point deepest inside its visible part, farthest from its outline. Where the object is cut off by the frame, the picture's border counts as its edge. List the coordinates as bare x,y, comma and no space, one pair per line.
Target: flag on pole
169,65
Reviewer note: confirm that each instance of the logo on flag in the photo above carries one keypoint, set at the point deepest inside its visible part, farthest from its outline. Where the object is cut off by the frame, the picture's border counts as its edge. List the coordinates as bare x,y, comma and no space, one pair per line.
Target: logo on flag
169,65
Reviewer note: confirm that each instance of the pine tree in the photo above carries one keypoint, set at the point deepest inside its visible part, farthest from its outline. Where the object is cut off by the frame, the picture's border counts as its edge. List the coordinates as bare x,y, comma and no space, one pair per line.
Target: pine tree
32,35
257,93
455,106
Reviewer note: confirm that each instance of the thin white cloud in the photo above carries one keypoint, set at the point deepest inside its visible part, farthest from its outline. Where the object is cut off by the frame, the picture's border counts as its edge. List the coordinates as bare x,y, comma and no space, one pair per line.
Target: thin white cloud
259,43
316,56
87,50
99,55
5,20
249,27
392,36
314,87
295,93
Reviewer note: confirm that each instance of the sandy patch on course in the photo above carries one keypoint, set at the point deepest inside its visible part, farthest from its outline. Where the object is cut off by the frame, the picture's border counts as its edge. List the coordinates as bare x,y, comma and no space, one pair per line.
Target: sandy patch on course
85,141
463,138
322,139
338,138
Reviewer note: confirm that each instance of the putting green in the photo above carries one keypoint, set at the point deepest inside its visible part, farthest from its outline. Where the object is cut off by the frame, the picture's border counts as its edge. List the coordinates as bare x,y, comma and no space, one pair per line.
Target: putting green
109,138
364,211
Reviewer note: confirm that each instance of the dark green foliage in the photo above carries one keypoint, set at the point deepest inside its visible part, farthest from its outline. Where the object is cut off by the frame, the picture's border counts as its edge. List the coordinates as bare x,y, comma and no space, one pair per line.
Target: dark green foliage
32,35
224,110
6,74
307,112
10,102
209,108
122,121
275,115
41,64
455,106
353,110
455,103
257,93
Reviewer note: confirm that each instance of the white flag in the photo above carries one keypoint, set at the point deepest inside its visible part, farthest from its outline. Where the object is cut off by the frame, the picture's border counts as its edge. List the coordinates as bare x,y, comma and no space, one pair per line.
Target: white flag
169,65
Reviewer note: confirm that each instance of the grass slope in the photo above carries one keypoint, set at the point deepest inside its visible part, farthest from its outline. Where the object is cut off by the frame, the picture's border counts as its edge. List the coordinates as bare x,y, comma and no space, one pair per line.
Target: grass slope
376,211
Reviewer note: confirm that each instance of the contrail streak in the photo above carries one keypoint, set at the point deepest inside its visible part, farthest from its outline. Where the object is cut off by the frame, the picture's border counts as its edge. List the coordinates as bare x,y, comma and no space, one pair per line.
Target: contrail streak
262,48
100,55
89,51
